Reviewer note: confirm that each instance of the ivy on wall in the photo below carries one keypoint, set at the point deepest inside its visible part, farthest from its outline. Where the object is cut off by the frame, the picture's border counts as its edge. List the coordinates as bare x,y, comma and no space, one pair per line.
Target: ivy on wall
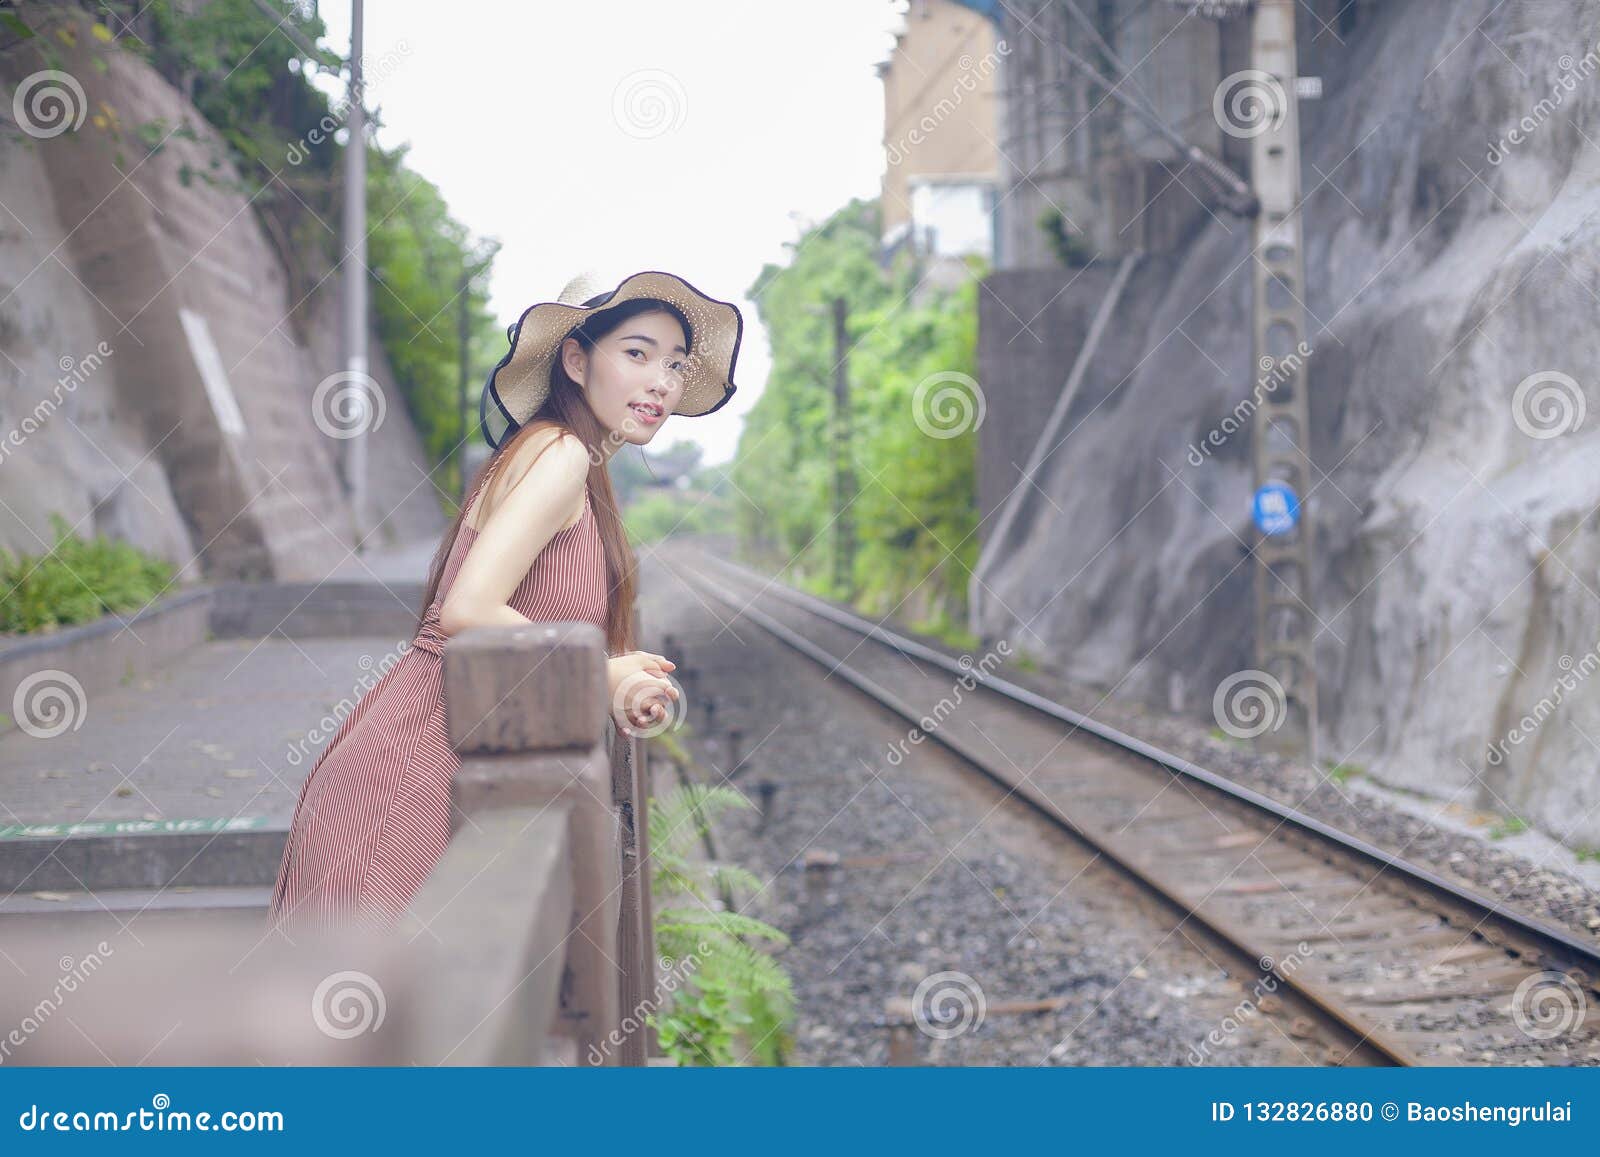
250,74
910,357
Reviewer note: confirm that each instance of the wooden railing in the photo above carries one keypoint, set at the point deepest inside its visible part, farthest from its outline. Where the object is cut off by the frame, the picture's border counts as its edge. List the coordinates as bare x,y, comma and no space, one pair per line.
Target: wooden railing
528,943
529,715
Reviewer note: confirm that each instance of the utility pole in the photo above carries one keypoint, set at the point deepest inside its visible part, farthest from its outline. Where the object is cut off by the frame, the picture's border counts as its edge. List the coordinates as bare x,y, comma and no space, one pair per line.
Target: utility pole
354,245
1284,590
1226,187
463,336
469,274
844,481
1285,624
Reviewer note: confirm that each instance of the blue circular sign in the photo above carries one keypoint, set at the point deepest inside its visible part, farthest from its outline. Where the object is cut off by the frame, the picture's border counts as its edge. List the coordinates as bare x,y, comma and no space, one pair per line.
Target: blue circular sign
1276,508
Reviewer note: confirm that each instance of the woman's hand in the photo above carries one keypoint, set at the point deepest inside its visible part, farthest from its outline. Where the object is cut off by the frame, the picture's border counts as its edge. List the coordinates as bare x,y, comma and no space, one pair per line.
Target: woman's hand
640,692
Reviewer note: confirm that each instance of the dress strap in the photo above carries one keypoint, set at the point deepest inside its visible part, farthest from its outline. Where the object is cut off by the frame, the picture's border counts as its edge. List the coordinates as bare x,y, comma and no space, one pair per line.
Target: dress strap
483,480
477,488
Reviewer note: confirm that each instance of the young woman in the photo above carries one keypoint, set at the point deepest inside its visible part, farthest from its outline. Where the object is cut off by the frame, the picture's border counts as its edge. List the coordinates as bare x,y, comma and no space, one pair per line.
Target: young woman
539,539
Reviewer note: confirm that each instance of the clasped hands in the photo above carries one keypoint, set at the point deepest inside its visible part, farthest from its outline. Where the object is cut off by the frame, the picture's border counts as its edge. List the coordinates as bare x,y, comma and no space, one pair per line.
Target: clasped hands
640,693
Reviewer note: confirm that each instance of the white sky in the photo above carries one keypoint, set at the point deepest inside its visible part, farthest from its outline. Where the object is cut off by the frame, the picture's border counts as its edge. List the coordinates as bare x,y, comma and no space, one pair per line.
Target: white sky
773,118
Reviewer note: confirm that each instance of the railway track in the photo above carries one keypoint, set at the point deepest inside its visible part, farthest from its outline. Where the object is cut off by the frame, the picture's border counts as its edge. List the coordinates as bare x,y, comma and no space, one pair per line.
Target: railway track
1410,967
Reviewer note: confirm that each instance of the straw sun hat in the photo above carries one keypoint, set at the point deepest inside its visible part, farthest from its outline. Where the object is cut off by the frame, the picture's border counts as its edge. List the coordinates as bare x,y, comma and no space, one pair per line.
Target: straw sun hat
517,386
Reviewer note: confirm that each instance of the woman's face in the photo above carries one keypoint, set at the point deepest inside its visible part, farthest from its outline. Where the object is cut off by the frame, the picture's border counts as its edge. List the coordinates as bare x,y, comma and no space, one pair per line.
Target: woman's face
633,378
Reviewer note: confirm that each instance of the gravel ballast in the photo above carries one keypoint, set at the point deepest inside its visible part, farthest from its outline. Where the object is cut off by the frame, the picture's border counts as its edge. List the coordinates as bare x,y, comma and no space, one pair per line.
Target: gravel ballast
945,886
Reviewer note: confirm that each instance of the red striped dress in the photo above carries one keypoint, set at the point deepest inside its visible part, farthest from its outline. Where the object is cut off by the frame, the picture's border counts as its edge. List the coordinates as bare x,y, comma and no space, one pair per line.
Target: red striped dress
374,812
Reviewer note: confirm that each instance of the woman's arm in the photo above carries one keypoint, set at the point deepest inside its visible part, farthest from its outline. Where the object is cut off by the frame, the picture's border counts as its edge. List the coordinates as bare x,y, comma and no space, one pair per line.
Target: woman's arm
536,506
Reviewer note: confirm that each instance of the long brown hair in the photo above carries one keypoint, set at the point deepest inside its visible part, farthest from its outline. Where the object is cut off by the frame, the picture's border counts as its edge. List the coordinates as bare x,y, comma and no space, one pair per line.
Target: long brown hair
566,408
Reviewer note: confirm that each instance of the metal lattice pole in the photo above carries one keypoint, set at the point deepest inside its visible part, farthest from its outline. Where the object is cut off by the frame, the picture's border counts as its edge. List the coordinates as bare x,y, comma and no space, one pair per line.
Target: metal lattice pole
1284,619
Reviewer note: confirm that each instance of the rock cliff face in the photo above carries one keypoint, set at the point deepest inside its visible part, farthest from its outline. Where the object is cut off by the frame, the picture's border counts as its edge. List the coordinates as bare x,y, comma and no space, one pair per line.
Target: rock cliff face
1453,270
158,381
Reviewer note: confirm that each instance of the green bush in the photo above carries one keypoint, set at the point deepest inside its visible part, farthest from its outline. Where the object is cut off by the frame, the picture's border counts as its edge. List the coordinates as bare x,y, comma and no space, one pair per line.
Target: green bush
914,511
736,1003
78,580
664,513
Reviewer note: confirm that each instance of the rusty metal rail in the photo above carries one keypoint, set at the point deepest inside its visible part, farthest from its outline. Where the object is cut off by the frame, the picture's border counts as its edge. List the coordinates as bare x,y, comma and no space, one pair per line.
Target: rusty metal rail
1405,962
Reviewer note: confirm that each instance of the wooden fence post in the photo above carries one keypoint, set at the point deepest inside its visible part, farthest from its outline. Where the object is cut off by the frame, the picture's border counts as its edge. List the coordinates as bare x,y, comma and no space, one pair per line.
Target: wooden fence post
507,954
635,932
527,712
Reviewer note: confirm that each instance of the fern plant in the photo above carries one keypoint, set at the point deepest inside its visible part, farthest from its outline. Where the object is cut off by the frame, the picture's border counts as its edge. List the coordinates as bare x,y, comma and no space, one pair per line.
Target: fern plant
76,581
737,1003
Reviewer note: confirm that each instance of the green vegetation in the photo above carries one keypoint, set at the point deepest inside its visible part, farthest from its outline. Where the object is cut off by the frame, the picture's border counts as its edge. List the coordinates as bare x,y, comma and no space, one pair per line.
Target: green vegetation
418,255
736,1003
1069,247
1341,772
1509,826
251,79
957,637
657,515
78,580
668,492
912,370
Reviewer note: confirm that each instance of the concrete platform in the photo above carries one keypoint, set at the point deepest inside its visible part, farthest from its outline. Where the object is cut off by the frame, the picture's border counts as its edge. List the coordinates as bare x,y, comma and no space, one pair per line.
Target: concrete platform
124,919
227,731
130,903
92,863
188,774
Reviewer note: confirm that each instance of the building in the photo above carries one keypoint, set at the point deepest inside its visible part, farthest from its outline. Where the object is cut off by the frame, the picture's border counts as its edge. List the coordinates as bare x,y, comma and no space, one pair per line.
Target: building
942,159
1081,171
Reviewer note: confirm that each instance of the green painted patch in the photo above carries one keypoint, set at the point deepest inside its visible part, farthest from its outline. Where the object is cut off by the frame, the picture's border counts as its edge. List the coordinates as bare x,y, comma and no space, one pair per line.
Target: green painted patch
131,828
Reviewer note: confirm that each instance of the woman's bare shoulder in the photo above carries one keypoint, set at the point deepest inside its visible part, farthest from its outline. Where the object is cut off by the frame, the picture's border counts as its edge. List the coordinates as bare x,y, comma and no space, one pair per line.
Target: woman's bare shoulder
558,455
566,457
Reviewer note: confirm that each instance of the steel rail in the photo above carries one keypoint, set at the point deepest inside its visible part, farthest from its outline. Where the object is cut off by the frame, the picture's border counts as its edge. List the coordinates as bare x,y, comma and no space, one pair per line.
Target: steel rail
1348,1022
1586,952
